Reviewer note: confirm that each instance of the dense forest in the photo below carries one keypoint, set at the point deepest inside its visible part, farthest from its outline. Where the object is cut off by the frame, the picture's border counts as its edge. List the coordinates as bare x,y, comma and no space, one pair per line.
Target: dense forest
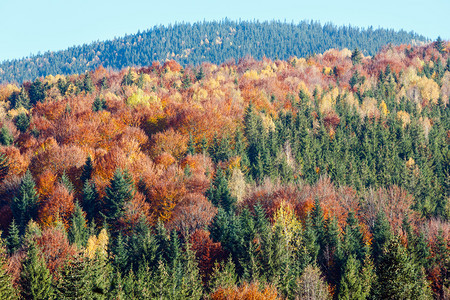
215,42
318,178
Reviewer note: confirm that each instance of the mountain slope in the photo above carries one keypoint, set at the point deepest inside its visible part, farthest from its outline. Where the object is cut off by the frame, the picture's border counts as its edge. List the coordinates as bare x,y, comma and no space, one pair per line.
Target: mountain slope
214,42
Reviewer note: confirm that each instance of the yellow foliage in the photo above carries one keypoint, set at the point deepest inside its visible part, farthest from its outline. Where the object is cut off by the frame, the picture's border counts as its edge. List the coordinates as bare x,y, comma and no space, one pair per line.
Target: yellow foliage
404,117
410,163
138,98
286,220
109,96
429,89
351,101
383,108
97,245
200,94
212,84
327,70
7,90
12,113
251,75
369,108
237,184
326,103
268,123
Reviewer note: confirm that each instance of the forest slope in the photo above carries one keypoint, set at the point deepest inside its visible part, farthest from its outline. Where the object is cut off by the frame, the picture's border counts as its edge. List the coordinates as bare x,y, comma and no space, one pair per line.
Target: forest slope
253,179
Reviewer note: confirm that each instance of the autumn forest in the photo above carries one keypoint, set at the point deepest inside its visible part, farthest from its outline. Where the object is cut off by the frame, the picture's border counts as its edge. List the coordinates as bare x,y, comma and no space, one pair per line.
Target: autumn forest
320,177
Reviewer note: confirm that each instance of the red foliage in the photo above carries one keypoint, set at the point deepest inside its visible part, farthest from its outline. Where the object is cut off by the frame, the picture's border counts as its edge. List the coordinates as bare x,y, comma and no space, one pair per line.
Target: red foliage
207,252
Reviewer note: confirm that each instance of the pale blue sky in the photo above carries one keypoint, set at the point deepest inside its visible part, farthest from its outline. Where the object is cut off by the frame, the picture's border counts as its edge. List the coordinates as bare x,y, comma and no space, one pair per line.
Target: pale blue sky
29,26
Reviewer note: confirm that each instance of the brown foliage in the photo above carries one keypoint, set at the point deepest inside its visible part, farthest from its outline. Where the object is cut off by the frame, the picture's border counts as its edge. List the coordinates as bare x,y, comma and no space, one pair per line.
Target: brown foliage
194,212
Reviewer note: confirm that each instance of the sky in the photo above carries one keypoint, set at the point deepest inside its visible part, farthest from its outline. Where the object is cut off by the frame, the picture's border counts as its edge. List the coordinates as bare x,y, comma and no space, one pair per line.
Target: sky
28,27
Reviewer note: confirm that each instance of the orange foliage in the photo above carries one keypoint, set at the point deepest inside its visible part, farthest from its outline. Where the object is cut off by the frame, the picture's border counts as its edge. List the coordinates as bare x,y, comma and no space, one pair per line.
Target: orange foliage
55,248
58,204
246,292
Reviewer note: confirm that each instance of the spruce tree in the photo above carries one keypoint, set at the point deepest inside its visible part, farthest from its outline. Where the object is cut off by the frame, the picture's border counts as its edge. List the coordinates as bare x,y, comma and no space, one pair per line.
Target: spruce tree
90,200
35,279
24,204
118,192
13,240
397,275
6,137
22,121
356,56
191,283
88,85
74,281
87,170
36,92
381,234
219,194
78,231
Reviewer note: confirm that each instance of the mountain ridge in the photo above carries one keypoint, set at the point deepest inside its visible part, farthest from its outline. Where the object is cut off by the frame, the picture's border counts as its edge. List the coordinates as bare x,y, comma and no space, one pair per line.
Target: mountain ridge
212,41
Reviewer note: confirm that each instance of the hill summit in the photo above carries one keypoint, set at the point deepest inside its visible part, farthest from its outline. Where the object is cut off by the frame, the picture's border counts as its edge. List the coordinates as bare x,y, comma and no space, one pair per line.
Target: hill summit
214,42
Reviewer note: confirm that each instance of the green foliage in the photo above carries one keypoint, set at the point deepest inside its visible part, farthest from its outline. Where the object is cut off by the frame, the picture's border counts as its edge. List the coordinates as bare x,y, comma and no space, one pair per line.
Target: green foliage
397,275
74,280
35,279
13,240
78,231
118,192
36,92
25,203
99,104
219,194
6,137
356,56
22,122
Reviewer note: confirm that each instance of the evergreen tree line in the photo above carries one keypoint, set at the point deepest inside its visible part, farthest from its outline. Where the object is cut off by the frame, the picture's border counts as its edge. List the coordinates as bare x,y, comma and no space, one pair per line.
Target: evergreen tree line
215,42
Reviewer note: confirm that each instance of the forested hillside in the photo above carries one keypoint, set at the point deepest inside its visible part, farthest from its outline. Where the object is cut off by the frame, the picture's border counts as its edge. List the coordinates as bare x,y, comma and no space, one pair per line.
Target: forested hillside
318,178
215,42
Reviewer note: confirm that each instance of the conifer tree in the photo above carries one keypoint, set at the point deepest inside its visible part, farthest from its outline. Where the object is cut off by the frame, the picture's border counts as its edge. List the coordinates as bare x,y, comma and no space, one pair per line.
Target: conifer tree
118,192
356,56
13,239
74,280
87,170
24,204
90,199
219,194
22,121
356,279
65,181
381,234
191,283
36,92
397,275
99,104
78,231
223,276
6,137
35,279
88,85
